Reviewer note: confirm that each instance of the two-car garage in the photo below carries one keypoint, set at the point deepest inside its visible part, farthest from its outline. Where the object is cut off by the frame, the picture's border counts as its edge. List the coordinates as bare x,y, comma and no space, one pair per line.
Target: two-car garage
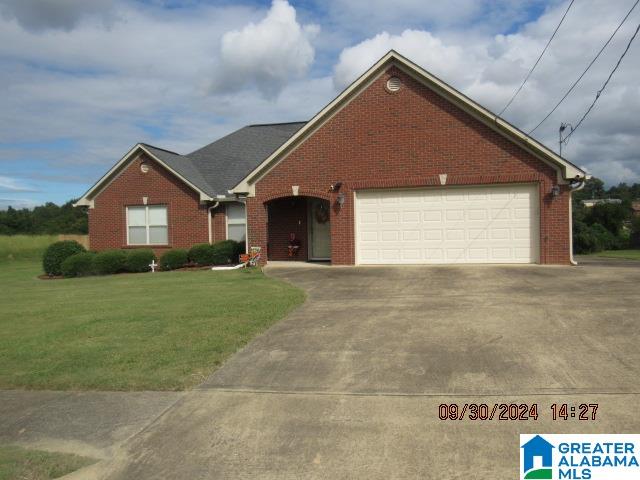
487,224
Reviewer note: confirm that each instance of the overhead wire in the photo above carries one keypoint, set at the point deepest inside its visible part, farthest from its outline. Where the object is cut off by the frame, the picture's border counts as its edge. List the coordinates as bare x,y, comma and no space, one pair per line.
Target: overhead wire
537,61
586,69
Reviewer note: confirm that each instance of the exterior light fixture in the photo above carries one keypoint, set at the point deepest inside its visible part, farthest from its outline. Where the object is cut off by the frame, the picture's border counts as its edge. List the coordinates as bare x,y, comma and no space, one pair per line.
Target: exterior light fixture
555,190
335,186
340,199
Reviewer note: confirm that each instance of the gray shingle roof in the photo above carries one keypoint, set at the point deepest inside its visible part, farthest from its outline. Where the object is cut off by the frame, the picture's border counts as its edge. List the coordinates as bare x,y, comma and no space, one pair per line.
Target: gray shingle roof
219,166
183,166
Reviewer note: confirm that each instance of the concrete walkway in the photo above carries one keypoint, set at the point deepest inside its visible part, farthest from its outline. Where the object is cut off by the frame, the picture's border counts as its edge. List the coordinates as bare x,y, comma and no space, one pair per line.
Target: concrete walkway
349,385
92,424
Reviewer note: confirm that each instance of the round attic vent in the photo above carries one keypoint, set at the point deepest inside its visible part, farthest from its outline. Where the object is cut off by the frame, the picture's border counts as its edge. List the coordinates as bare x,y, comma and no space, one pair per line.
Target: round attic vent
393,84
144,167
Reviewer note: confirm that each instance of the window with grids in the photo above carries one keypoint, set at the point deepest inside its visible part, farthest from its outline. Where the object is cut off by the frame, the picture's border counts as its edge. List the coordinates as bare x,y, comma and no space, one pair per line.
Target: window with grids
147,225
236,222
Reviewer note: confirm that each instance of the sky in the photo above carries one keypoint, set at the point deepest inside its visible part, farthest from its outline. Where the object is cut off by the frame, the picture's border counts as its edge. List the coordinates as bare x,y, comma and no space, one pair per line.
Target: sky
82,82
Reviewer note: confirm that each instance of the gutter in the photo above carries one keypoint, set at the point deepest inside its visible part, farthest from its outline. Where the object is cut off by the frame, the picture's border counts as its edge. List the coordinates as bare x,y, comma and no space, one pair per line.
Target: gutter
215,205
580,186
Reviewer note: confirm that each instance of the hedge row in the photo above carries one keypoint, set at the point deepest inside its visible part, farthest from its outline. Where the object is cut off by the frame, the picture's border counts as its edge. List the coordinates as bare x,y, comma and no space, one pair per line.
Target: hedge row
70,259
107,262
220,253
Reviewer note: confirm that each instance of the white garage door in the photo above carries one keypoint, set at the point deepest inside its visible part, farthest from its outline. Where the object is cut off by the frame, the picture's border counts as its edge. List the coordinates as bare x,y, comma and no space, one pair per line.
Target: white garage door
494,224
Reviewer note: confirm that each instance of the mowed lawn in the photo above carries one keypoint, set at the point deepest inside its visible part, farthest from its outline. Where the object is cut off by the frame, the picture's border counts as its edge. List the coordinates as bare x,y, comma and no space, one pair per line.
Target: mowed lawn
155,331
626,254
19,463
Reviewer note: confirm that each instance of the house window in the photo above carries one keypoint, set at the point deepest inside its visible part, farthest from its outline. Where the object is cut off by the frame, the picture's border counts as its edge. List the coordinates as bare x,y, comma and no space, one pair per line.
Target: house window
147,225
236,222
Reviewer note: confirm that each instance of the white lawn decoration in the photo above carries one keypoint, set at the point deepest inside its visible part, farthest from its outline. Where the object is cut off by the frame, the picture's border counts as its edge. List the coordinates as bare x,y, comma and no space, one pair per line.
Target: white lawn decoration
153,266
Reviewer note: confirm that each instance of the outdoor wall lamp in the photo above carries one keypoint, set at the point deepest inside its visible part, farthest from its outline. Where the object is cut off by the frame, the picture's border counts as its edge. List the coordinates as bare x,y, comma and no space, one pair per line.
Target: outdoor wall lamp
555,190
340,199
335,186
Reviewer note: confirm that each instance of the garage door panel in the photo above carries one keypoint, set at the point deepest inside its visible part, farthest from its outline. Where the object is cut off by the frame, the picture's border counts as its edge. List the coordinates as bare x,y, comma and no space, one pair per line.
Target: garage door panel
493,224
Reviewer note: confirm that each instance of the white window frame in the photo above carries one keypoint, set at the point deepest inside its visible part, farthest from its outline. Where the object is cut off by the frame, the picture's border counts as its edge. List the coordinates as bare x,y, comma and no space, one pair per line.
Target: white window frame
146,221
236,222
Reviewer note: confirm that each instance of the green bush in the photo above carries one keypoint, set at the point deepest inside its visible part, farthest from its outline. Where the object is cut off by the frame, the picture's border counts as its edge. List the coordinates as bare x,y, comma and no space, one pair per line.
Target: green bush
109,262
594,238
202,254
58,252
139,260
226,252
78,265
172,259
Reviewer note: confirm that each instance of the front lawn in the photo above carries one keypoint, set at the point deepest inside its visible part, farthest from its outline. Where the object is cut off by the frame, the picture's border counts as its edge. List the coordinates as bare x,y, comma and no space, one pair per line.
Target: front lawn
160,331
20,463
626,254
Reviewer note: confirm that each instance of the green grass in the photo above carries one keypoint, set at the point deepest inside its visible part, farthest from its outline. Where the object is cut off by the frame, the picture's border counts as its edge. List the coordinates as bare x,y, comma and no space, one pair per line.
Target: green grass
155,331
24,247
627,254
20,463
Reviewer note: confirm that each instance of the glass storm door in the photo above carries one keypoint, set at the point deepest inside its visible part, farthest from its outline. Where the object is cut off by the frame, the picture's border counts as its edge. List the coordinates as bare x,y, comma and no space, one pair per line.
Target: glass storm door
319,229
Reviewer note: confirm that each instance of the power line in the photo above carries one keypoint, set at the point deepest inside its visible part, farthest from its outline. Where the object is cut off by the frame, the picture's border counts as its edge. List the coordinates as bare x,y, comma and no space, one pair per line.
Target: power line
586,69
604,85
538,60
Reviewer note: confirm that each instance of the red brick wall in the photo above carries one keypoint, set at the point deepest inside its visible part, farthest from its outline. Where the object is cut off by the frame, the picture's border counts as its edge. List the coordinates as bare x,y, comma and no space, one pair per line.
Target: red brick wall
186,216
287,215
402,139
218,223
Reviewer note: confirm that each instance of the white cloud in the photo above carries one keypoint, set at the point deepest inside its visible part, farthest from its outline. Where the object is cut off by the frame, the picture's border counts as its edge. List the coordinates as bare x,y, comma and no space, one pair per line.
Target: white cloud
421,47
482,15
267,54
10,184
38,15
489,68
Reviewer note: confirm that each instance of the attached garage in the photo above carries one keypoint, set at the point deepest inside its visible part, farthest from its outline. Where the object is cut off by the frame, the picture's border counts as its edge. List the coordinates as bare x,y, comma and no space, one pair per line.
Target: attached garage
482,224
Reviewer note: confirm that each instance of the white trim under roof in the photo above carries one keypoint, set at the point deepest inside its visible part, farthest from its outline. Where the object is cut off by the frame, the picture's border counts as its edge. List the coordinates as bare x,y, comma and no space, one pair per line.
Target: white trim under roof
89,196
566,170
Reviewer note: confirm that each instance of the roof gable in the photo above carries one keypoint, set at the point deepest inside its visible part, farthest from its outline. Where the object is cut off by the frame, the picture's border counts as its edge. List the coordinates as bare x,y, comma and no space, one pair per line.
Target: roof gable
566,170
174,163
213,169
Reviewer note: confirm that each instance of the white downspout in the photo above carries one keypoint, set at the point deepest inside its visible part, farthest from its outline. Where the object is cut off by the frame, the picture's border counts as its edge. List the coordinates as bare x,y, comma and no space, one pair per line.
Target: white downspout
579,187
215,205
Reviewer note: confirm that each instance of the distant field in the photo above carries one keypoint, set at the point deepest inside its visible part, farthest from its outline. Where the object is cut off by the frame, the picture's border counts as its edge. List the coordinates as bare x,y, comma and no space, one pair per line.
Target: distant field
24,247
626,254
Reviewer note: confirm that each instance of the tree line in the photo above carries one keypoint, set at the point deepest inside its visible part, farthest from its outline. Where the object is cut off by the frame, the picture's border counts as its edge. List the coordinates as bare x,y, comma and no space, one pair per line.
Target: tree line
47,219
606,226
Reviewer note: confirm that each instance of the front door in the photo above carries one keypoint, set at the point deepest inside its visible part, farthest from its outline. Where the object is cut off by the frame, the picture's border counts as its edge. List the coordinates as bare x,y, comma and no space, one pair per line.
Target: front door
319,229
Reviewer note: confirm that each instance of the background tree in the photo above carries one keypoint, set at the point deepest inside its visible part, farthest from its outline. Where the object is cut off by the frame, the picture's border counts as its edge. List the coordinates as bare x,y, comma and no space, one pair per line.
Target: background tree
48,219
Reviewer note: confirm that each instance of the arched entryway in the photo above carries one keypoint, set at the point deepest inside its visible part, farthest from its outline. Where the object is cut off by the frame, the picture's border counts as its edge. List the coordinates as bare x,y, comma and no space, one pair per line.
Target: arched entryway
300,221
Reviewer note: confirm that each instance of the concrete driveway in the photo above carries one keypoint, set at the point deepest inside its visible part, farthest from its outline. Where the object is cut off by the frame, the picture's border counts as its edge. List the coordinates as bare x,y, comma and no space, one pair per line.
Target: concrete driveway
349,385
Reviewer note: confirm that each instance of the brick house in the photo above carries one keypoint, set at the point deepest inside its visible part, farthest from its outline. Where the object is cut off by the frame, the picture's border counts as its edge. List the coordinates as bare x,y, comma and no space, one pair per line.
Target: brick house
400,168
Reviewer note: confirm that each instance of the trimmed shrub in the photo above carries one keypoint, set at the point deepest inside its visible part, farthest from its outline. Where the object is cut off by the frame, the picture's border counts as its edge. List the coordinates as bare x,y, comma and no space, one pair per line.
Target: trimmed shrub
202,254
58,252
78,265
226,252
139,260
109,262
172,259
